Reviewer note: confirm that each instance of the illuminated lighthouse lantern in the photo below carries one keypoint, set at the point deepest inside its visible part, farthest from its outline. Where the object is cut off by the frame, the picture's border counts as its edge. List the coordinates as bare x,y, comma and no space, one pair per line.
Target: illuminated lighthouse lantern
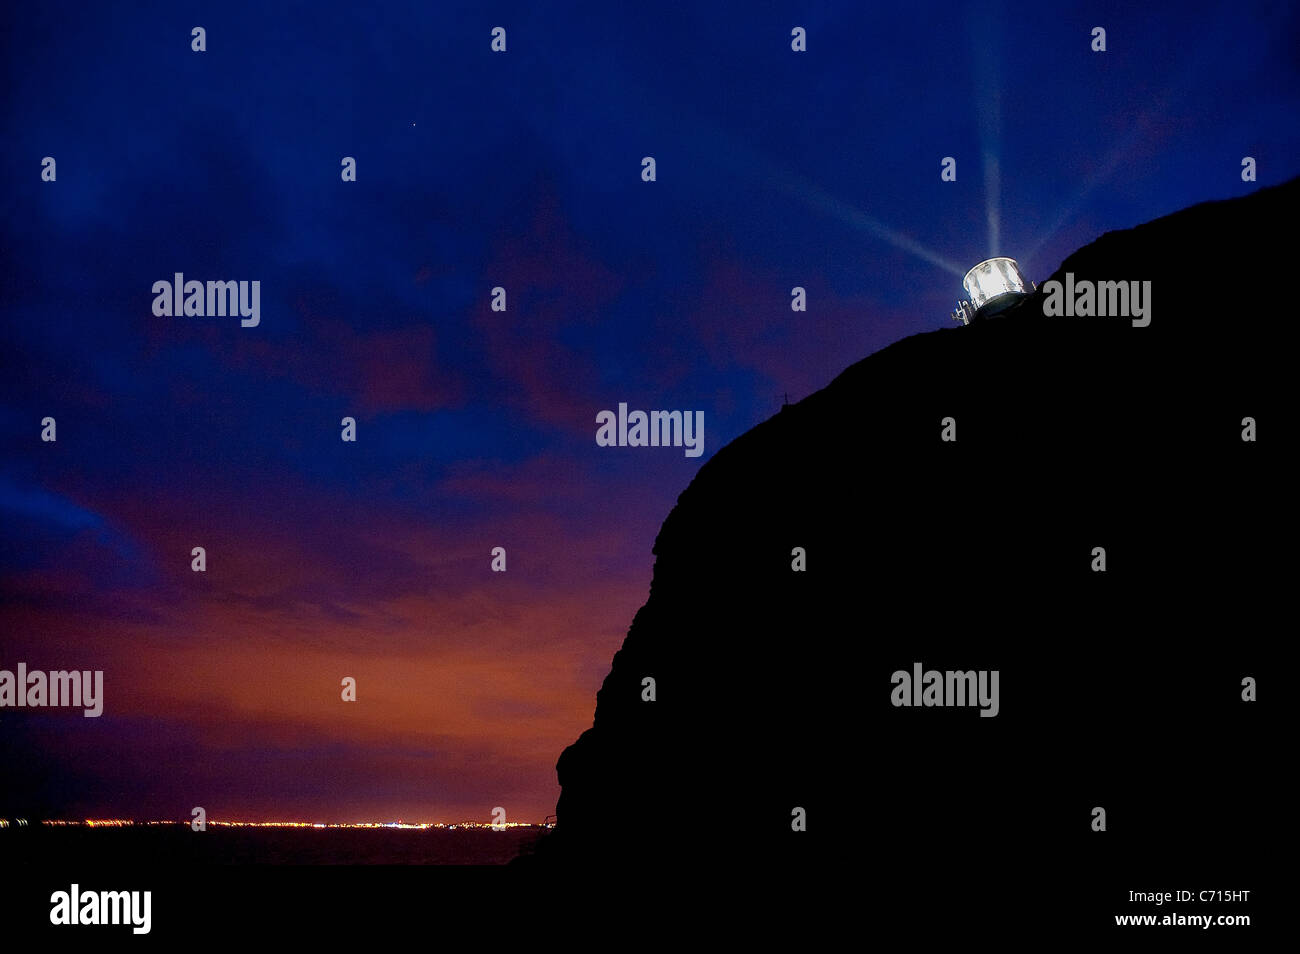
993,285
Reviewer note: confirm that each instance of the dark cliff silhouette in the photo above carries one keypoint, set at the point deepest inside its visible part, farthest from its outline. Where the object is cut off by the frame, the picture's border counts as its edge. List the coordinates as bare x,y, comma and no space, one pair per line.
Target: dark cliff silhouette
1119,689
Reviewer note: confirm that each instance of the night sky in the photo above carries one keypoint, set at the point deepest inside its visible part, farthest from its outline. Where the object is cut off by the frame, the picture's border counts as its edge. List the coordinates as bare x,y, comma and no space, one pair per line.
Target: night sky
476,428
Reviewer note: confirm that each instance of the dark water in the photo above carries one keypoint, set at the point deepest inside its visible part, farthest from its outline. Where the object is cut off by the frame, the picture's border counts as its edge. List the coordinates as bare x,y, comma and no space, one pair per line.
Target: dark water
179,846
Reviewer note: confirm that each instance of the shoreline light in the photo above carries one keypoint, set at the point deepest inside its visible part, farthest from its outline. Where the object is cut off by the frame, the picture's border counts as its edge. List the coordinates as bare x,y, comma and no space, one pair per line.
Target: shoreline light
415,826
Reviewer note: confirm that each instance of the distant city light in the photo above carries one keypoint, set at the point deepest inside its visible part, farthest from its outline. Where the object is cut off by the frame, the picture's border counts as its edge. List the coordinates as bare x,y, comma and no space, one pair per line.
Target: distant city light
415,826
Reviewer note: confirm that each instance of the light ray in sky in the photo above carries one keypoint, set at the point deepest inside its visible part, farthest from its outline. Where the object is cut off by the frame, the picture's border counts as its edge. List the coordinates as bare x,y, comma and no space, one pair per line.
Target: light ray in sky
985,41
818,198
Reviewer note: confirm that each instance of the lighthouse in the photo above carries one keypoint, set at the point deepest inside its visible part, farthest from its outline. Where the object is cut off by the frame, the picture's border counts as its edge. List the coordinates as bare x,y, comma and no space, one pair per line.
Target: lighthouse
993,285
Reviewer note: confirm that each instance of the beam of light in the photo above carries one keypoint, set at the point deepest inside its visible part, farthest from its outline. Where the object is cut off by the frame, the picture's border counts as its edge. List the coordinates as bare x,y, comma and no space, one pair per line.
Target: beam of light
992,187
819,199
1179,87
984,26
809,192
1112,161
